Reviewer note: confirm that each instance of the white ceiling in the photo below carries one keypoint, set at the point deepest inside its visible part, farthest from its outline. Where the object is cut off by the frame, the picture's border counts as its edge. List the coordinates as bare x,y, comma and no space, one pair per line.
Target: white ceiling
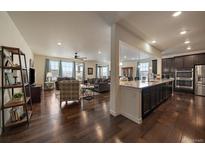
89,32
165,29
84,32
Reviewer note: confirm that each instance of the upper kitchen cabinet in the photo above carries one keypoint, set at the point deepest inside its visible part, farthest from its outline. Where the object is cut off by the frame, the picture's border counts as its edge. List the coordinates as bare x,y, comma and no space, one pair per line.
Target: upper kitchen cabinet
200,59
168,67
164,66
179,62
188,61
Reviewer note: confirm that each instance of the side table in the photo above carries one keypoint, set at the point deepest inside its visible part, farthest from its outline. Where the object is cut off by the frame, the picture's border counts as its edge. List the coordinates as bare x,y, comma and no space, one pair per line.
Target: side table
49,85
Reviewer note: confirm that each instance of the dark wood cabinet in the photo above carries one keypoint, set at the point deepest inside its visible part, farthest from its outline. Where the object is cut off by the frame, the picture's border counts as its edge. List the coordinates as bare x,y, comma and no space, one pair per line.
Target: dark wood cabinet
146,106
164,67
179,62
200,59
155,95
168,67
188,61
36,93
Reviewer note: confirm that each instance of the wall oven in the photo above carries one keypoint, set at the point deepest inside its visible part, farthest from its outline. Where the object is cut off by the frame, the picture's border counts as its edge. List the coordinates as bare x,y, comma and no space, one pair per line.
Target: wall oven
184,79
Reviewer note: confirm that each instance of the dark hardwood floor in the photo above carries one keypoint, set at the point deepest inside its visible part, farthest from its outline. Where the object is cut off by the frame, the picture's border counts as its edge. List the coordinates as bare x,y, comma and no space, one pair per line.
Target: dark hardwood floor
180,119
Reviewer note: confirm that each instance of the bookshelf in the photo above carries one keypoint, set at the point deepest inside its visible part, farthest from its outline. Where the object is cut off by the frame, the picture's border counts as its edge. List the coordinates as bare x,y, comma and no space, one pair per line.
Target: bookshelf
7,54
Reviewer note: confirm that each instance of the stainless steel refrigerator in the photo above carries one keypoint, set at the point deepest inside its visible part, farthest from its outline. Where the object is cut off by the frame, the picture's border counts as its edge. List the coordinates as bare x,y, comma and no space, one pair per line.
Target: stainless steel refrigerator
200,80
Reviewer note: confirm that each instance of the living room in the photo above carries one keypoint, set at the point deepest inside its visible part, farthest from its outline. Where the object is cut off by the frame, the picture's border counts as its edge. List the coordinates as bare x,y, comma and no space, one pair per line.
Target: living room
95,77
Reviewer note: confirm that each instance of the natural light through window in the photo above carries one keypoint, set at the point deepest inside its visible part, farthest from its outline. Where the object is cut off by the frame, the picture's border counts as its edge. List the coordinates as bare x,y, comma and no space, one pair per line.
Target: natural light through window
67,69
54,68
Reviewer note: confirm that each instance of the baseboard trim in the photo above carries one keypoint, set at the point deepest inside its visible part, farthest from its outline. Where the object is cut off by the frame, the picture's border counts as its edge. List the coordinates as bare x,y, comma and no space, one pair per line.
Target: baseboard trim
113,113
129,116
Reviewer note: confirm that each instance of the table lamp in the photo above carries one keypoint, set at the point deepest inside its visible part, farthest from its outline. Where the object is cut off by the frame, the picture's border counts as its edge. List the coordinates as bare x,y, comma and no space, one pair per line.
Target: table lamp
49,76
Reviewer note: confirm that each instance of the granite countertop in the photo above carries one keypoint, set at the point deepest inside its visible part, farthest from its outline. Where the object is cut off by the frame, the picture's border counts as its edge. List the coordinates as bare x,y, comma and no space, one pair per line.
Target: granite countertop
141,85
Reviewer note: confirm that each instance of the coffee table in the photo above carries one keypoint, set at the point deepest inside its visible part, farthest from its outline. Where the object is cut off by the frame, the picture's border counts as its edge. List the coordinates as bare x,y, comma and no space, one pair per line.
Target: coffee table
87,91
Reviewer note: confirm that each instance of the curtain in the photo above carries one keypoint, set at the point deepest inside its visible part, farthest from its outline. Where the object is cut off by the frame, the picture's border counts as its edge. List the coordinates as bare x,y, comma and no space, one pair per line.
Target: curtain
60,69
47,69
96,71
74,70
83,71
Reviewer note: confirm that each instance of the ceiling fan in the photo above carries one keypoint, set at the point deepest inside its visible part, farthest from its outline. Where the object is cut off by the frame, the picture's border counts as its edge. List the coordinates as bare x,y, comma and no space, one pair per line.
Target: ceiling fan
78,57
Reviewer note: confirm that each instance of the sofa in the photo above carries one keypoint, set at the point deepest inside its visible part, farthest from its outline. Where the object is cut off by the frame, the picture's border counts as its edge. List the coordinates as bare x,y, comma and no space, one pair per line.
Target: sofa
100,85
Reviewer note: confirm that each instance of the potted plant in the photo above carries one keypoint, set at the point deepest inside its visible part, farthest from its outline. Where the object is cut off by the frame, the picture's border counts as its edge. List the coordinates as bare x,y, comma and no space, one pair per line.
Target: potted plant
17,96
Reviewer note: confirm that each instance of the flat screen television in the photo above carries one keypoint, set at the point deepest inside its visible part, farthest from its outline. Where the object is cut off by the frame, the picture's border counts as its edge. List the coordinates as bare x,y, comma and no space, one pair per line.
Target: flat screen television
32,76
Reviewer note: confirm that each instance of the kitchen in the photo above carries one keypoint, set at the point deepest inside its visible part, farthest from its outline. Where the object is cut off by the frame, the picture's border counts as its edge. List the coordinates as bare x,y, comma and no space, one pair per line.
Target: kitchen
188,72
143,90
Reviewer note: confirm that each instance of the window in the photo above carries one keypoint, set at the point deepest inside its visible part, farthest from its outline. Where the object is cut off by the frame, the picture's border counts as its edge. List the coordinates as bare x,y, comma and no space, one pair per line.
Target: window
102,72
79,71
144,70
105,71
67,69
54,68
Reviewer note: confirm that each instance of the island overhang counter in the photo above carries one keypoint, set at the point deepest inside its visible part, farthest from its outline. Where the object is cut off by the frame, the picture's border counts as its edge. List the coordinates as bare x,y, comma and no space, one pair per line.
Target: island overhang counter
138,99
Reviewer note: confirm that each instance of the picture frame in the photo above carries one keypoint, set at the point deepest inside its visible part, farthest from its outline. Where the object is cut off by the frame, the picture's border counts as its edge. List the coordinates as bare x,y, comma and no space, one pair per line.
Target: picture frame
90,71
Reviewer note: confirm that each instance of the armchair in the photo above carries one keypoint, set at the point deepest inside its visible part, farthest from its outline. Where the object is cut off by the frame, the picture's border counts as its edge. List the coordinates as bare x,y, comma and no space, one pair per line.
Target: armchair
69,90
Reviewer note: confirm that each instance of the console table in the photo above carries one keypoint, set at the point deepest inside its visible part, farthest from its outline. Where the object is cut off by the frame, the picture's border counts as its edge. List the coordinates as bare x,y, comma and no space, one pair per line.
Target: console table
36,93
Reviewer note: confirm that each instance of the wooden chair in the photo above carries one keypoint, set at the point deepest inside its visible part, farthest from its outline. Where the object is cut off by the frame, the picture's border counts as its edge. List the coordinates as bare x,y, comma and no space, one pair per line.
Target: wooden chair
69,90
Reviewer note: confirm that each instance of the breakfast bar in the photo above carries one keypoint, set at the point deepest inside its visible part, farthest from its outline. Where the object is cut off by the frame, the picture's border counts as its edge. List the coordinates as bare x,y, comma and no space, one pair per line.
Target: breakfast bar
139,98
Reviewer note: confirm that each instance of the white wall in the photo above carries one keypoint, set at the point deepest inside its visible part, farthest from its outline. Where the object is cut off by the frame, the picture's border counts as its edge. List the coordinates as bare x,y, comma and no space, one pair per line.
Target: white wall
39,64
118,34
10,36
90,64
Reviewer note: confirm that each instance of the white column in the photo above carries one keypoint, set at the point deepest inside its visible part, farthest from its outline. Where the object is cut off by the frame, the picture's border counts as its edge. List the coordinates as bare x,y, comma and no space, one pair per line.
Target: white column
114,93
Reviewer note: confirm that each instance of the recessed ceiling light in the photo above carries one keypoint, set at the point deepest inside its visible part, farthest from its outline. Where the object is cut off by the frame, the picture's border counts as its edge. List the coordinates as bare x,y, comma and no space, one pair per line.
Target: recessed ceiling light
99,52
125,57
188,48
183,32
59,43
175,14
120,63
186,42
154,41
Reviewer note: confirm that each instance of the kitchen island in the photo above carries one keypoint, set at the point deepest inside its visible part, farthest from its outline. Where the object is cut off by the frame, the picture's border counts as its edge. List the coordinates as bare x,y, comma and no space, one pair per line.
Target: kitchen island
138,99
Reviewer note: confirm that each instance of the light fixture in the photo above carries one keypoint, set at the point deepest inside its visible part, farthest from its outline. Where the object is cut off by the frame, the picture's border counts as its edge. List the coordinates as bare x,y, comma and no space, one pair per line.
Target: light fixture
175,14
154,41
49,76
183,32
120,63
125,57
99,52
186,42
188,48
59,43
